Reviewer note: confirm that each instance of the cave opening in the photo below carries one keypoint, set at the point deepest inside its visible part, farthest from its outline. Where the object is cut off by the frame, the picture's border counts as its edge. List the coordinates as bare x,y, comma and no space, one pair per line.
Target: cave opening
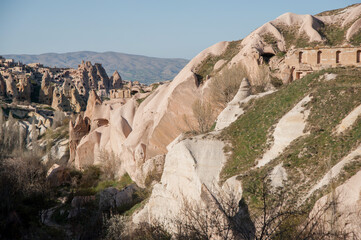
267,57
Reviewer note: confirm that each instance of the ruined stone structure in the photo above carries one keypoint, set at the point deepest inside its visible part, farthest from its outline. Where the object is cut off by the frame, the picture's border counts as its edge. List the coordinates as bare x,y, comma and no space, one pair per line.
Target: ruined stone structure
120,93
306,60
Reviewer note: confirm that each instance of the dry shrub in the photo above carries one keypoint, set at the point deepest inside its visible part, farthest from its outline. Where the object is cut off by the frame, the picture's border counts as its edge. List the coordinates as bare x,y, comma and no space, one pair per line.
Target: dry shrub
261,79
203,113
12,136
276,216
114,227
109,164
26,172
225,85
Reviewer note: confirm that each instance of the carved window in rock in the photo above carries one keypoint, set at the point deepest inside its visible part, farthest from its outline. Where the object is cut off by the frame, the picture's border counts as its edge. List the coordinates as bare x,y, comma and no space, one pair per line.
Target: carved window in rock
319,57
300,57
338,56
358,56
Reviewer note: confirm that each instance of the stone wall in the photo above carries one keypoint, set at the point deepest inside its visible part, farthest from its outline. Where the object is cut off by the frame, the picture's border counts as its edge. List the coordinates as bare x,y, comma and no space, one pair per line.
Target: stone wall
307,60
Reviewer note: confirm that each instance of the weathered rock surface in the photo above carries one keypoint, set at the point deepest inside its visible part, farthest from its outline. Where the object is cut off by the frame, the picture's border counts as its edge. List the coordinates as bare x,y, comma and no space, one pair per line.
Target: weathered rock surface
11,90
195,163
348,208
107,198
349,120
233,109
59,152
46,91
111,197
58,176
335,171
2,87
126,129
116,80
77,131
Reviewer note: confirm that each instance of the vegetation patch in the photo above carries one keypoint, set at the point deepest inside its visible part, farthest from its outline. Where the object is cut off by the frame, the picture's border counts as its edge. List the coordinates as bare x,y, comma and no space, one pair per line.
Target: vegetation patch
356,39
292,36
308,158
248,135
334,12
206,66
333,33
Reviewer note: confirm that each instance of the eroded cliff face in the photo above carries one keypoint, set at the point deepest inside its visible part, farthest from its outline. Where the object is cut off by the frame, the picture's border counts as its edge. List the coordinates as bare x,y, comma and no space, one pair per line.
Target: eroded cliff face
137,134
144,136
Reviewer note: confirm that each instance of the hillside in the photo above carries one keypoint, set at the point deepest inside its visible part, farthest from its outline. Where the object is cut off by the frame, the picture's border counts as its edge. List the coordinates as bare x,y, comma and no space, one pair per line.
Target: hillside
253,139
130,67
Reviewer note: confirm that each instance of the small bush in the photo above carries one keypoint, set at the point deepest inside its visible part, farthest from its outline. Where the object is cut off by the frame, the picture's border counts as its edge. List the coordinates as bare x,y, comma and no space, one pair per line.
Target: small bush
114,227
281,54
276,82
90,176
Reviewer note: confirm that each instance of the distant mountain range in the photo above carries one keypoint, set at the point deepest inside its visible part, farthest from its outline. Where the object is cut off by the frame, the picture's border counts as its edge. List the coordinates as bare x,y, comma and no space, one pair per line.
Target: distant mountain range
130,67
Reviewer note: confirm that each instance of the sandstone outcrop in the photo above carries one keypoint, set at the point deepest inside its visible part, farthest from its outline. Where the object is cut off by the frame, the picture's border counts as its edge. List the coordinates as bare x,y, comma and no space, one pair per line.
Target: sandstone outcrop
11,90
24,90
93,100
93,76
60,102
234,108
46,90
77,103
116,80
77,131
195,163
346,217
138,134
2,87
67,98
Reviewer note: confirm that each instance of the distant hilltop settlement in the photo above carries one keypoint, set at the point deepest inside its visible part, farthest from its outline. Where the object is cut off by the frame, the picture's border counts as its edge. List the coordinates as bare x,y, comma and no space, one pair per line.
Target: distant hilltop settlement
63,89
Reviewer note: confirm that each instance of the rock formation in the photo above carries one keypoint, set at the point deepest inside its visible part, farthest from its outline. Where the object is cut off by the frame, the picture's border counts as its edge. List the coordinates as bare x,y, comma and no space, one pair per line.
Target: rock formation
94,76
77,131
92,101
116,80
137,136
24,90
11,90
2,87
46,91
60,102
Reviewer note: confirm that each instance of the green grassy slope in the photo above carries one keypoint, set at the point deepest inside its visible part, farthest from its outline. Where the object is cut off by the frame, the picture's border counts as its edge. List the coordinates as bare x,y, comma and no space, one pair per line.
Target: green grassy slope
308,158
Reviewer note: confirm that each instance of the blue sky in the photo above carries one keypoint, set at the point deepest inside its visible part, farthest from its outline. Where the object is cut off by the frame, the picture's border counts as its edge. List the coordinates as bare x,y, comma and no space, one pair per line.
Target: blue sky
159,28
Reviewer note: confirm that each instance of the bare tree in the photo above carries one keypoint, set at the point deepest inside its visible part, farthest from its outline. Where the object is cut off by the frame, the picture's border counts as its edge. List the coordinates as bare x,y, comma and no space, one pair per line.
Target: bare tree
225,85
276,216
203,112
